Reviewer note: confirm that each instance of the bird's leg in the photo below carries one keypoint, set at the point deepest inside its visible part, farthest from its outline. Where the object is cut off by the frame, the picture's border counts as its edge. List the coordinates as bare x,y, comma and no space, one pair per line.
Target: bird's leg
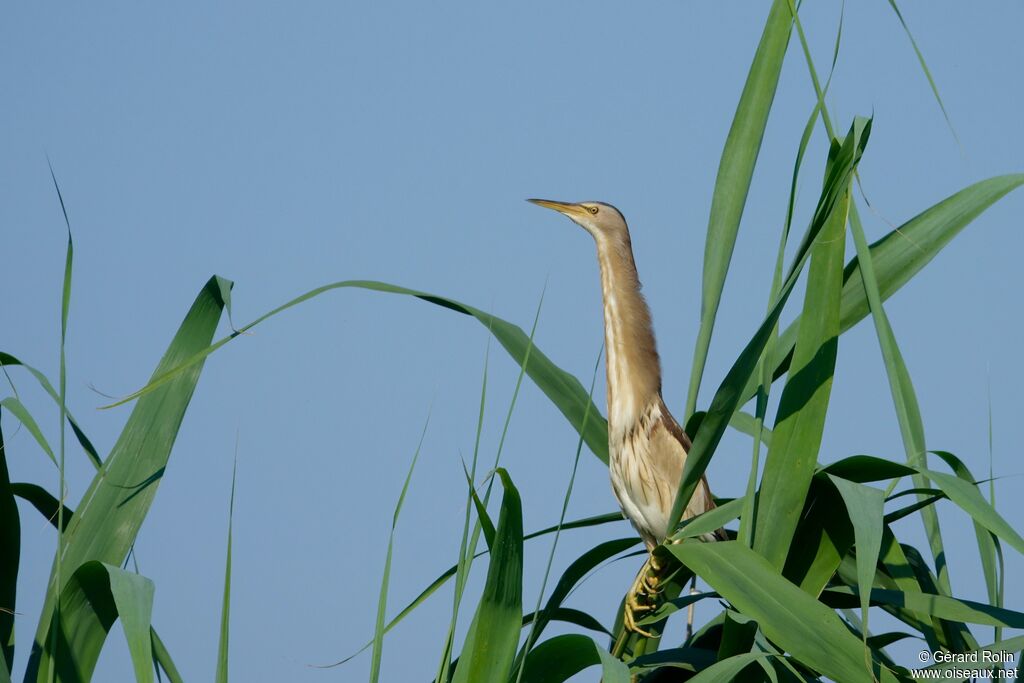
645,594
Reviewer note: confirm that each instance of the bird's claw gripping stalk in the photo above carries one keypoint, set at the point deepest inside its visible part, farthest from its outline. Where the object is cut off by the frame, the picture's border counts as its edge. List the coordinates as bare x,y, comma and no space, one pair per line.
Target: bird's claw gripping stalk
644,596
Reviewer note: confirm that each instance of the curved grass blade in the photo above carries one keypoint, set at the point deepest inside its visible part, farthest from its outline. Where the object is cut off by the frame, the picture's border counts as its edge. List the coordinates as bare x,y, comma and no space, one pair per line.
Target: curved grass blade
569,616
7,359
564,390
924,67
562,657
10,559
800,423
18,410
382,600
867,468
727,398
732,183
798,623
95,596
490,644
115,505
969,499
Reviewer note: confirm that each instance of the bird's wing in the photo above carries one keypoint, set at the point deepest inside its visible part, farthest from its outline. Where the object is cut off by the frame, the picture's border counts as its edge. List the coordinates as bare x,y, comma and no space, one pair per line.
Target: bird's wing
669,446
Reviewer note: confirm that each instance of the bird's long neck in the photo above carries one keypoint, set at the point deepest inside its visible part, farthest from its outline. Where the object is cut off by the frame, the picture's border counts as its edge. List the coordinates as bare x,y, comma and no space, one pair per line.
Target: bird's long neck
634,372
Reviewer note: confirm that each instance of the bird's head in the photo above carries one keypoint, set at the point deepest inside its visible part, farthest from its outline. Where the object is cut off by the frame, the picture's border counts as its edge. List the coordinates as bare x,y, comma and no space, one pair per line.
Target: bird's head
601,220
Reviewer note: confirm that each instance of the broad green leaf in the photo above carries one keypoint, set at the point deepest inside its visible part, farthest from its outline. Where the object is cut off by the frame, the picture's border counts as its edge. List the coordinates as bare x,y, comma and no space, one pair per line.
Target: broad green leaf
726,399
560,658
802,626
382,600
710,521
225,609
823,538
941,606
864,505
114,506
95,596
490,644
10,558
735,170
800,421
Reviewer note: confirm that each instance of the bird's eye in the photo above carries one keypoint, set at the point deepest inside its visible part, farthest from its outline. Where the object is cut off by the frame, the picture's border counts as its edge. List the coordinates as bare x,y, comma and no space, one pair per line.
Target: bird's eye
593,210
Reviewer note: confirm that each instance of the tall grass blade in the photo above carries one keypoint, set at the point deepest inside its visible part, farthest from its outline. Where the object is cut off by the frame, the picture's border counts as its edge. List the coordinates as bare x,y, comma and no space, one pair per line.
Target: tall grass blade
225,609
735,171
727,398
490,644
162,658
941,606
925,69
115,504
382,600
800,423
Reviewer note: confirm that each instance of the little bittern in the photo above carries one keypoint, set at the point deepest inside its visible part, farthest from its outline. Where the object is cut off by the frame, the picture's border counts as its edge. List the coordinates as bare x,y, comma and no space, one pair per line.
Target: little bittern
646,446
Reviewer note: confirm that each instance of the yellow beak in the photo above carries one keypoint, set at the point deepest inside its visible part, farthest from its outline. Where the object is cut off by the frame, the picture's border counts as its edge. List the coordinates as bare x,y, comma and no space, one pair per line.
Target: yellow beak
569,210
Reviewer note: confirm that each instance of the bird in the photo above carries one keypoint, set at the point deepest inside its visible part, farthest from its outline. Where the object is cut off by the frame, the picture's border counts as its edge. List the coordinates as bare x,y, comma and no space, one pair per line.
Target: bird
646,446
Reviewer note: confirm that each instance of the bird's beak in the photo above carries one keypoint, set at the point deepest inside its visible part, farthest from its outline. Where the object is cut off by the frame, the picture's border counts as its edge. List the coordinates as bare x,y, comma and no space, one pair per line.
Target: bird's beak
570,210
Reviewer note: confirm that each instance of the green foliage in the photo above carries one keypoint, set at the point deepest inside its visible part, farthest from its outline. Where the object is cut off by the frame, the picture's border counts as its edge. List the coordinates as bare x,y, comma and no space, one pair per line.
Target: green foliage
817,555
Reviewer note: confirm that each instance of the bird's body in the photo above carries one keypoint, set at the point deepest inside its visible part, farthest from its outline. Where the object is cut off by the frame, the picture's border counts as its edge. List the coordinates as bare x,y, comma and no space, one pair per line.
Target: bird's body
646,446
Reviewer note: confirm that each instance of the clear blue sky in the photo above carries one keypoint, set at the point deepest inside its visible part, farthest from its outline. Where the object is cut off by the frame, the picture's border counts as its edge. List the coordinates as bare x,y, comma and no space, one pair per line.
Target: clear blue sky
286,146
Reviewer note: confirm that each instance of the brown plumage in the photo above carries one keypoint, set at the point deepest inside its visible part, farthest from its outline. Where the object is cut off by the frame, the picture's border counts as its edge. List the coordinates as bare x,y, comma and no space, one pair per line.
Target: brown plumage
646,446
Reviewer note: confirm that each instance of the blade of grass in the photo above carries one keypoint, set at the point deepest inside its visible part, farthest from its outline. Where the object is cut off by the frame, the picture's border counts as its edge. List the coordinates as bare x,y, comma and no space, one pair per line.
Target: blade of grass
490,645
562,657
764,368
382,600
904,397
18,410
114,506
926,70
225,609
726,399
735,171
800,423
561,519
467,559
162,657
864,505
95,596
940,606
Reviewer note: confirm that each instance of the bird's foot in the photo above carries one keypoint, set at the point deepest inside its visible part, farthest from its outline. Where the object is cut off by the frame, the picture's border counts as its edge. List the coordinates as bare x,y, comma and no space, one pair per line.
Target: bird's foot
645,596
